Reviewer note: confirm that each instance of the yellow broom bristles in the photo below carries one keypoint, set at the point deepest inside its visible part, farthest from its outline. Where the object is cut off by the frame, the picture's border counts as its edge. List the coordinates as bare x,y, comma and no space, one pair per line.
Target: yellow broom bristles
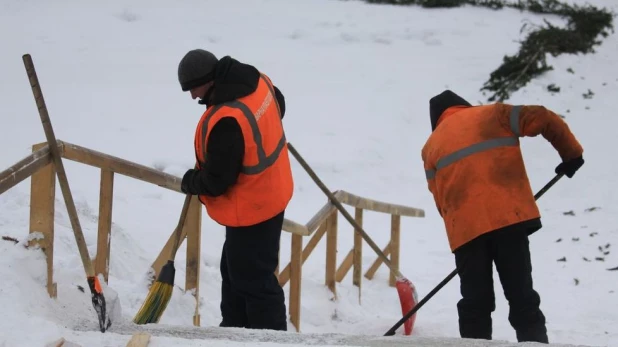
155,303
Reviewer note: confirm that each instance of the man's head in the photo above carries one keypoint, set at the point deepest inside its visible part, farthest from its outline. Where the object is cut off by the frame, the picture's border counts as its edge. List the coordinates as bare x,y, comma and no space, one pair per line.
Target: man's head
196,72
439,103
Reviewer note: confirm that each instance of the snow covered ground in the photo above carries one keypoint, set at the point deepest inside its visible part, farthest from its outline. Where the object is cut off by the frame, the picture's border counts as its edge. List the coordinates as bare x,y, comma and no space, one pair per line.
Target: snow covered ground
357,80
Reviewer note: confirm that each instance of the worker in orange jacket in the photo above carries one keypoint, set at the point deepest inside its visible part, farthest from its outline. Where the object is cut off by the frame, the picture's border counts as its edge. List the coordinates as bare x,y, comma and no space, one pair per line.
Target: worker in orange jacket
244,179
476,173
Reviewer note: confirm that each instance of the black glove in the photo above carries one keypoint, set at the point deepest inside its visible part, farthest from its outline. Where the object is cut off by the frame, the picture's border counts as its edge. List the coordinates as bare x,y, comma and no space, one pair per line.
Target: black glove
569,167
187,179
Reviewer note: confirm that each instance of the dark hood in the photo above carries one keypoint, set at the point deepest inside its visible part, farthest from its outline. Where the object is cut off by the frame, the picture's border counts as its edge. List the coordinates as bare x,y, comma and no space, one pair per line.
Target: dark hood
232,80
439,103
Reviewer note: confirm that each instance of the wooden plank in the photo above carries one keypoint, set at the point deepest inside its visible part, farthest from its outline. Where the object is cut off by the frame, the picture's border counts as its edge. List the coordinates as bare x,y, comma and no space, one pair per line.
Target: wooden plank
42,210
395,236
120,166
25,168
345,266
379,206
104,236
295,228
331,252
319,218
139,340
295,280
284,276
376,264
357,259
193,228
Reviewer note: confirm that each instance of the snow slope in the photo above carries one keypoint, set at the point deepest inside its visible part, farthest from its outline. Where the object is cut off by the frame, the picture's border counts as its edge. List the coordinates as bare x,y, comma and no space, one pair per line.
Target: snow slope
357,80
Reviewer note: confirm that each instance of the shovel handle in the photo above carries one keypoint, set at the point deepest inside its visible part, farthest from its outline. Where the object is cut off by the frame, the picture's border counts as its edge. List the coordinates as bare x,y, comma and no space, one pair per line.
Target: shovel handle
59,167
450,276
343,211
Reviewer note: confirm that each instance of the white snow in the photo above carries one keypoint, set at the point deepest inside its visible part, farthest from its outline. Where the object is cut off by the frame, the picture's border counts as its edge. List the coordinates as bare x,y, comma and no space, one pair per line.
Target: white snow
357,80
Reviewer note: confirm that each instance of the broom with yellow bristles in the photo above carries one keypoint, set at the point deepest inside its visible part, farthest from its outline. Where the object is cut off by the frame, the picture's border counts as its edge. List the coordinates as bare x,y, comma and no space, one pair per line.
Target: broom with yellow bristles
161,291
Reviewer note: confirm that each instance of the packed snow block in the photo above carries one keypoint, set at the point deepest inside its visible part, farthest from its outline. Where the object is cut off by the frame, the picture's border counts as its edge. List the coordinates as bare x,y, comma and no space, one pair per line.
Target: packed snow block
112,302
61,342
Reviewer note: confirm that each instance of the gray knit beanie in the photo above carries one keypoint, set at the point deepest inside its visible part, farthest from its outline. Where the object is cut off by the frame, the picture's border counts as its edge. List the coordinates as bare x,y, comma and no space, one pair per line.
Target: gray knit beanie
196,68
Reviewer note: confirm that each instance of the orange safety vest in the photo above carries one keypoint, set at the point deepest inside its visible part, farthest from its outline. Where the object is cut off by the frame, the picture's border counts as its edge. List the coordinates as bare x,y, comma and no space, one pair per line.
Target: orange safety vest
475,169
265,185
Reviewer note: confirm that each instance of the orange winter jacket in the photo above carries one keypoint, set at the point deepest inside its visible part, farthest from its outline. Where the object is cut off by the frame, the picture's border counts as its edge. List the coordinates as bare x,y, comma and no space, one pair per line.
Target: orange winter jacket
475,170
265,185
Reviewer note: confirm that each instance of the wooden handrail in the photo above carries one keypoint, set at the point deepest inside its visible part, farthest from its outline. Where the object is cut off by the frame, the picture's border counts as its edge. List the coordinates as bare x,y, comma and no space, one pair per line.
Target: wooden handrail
24,168
38,159
120,166
379,206
322,224
127,168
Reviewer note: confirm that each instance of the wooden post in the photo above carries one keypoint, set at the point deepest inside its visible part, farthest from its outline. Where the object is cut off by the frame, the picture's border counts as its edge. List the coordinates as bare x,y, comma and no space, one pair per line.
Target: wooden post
104,236
331,252
193,228
395,235
284,276
42,209
358,254
295,279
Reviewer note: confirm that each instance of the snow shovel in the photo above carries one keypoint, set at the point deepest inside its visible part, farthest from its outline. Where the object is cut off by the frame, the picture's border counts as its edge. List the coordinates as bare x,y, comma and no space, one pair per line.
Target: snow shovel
98,300
450,276
405,288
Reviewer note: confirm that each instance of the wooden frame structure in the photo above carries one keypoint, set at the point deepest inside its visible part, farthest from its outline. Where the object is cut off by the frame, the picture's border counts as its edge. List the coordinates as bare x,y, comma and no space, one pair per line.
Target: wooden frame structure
40,168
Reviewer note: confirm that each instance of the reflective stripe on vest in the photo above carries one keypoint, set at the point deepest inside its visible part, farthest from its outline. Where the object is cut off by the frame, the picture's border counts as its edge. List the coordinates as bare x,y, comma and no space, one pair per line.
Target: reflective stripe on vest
481,146
264,161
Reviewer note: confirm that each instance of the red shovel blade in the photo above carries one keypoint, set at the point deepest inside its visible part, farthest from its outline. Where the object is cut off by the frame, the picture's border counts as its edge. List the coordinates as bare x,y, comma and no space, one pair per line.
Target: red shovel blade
408,299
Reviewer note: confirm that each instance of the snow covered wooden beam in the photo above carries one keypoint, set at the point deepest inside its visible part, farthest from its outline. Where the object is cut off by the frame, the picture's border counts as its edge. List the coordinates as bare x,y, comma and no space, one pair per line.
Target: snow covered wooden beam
379,206
25,168
295,228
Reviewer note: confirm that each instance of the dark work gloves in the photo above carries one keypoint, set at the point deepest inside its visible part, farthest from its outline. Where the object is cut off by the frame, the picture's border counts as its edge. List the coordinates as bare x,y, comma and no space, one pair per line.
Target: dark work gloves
187,182
569,167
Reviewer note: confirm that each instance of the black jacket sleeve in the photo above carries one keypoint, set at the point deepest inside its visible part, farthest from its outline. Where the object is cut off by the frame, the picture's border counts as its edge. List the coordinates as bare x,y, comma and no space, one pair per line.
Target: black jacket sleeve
224,157
280,100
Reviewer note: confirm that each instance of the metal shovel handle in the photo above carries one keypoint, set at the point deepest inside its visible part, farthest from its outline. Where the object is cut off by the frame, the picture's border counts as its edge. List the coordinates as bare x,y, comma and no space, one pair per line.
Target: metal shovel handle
450,276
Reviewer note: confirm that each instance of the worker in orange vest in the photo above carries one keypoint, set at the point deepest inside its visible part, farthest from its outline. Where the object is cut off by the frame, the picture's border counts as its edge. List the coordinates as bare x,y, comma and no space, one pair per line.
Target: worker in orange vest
476,173
244,179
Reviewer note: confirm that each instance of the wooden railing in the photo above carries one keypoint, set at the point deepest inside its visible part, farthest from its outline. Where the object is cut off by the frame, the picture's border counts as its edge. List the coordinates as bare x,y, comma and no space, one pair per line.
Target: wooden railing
40,168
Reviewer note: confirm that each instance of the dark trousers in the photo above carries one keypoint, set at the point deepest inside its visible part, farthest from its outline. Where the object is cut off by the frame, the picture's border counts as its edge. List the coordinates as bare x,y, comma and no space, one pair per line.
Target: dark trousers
251,296
509,250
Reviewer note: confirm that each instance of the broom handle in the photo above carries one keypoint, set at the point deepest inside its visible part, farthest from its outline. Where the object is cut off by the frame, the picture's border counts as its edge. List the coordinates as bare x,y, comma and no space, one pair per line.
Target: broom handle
180,226
59,167
343,211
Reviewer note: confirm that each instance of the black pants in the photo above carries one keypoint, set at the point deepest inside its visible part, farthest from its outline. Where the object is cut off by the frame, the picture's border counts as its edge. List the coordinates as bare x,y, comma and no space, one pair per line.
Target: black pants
251,296
509,250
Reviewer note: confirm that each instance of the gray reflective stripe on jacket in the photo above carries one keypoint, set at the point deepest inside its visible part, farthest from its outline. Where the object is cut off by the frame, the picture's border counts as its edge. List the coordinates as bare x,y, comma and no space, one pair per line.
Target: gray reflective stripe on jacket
264,161
481,146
